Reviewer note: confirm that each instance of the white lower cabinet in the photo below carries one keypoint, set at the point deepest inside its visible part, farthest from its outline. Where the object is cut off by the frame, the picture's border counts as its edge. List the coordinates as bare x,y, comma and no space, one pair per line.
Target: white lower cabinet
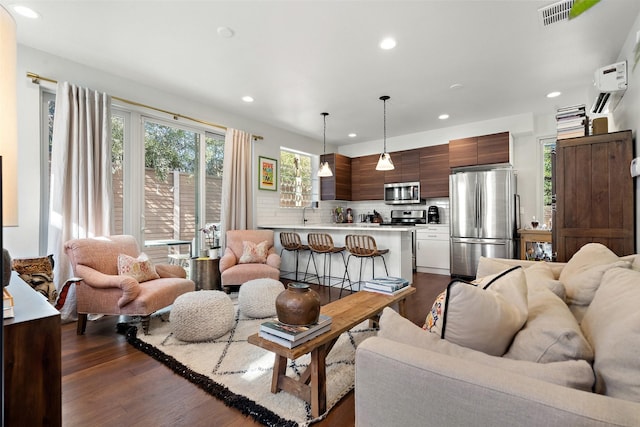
432,249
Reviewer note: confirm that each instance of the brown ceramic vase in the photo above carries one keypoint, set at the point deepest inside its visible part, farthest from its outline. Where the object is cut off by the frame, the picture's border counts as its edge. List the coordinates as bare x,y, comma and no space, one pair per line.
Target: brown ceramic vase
298,305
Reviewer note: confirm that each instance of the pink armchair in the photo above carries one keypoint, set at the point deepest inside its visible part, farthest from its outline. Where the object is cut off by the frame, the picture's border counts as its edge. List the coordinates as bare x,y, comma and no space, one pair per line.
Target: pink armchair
103,291
234,273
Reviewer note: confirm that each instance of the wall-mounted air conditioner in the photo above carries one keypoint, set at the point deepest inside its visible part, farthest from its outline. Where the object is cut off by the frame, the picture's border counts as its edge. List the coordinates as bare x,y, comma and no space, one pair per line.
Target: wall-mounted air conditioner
610,83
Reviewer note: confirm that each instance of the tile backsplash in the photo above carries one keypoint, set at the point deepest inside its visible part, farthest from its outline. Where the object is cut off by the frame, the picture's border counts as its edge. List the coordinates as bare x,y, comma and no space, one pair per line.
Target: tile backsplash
269,211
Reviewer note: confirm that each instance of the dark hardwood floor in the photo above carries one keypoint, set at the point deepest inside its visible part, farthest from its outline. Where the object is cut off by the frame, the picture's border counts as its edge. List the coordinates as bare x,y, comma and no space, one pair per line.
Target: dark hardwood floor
106,382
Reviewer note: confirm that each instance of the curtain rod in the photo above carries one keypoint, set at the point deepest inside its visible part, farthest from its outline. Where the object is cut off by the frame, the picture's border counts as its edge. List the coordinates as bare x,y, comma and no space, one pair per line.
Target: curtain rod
35,78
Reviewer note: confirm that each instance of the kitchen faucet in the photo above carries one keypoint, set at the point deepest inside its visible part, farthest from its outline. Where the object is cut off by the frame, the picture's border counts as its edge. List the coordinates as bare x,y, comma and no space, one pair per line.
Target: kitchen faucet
313,205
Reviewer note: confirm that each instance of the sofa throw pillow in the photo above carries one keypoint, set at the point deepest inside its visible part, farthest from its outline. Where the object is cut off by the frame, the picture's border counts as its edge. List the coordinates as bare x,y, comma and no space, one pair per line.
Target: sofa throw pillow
141,268
571,373
612,326
253,253
481,318
541,274
551,333
38,273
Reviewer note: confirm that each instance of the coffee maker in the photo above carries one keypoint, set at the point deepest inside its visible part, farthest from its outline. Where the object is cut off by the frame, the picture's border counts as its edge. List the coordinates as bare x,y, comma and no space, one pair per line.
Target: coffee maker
433,217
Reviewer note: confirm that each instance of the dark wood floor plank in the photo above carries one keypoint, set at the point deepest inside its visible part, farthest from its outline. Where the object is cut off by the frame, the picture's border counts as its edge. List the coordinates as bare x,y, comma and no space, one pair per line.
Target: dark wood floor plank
107,382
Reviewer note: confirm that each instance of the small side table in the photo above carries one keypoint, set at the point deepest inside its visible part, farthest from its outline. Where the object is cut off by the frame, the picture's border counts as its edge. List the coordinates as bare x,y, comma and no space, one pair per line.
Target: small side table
532,236
205,272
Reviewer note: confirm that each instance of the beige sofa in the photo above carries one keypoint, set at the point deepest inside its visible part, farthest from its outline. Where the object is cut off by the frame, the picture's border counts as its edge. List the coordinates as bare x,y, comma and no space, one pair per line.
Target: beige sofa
552,374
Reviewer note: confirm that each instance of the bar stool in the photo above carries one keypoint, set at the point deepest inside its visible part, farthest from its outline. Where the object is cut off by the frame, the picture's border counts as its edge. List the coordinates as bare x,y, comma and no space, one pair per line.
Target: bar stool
363,246
291,242
322,243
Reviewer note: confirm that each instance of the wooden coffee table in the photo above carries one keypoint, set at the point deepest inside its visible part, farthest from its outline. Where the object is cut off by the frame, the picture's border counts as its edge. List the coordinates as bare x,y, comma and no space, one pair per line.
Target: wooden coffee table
346,313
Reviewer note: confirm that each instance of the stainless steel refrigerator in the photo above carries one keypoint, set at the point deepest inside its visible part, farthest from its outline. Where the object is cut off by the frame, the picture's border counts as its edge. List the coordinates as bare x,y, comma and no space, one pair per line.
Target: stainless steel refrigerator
483,217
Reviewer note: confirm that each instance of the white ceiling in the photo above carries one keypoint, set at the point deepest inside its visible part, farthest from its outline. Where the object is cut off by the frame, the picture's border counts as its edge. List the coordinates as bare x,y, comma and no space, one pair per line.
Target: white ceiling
300,58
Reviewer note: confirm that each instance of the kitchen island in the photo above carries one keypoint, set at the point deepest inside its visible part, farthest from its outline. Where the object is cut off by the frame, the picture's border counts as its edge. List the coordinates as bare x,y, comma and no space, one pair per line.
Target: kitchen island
397,239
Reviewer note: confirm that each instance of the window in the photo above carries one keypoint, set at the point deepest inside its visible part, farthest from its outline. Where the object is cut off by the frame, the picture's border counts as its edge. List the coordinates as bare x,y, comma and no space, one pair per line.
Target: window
295,178
548,159
158,183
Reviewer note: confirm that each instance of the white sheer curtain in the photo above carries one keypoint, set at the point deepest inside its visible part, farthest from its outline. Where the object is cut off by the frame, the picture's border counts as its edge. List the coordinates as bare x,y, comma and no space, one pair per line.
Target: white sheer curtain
81,193
237,195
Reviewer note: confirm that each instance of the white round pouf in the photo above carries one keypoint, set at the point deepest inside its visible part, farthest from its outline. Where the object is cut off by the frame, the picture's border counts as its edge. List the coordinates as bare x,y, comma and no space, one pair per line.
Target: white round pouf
257,298
201,315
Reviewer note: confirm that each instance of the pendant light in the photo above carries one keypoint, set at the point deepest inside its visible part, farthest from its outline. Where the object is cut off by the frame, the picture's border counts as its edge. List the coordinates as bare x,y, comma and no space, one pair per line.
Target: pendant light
384,162
324,170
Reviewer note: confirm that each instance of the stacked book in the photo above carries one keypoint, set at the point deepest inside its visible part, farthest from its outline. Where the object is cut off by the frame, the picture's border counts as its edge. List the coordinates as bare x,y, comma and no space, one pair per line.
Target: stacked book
7,304
292,336
386,285
572,122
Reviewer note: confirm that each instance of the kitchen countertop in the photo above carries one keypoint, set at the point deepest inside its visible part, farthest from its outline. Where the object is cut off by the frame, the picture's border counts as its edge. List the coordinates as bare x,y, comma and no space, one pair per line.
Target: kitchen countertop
340,226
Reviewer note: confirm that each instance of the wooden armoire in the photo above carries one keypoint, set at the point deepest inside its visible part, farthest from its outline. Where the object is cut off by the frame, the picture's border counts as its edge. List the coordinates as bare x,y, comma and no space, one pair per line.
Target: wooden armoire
594,194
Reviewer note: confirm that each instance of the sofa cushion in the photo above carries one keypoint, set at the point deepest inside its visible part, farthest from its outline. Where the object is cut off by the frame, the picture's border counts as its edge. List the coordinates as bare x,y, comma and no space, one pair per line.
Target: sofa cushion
482,318
140,268
538,271
583,273
551,333
572,373
254,253
612,326
541,274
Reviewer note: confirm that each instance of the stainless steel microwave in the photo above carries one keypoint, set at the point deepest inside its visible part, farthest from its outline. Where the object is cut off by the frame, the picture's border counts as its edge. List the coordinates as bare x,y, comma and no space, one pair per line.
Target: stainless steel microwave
402,193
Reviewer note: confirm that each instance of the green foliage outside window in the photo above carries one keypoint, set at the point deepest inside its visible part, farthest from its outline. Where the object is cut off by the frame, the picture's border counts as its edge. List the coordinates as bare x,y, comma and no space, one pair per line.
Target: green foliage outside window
295,179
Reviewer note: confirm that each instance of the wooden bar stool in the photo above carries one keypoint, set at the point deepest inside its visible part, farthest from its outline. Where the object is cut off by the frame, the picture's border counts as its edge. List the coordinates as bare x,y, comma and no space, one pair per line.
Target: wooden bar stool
363,246
291,242
322,243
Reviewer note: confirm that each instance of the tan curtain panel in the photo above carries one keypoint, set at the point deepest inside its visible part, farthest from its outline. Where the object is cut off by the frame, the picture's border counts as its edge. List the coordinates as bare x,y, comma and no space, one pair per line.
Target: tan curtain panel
81,193
237,196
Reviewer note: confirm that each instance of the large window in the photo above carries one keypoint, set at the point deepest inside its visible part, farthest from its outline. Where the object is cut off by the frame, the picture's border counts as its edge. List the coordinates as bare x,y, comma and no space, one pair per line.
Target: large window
166,182
295,178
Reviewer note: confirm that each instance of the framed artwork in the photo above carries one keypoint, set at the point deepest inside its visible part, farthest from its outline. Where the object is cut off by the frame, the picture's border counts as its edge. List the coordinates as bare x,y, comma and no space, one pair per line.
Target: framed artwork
267,174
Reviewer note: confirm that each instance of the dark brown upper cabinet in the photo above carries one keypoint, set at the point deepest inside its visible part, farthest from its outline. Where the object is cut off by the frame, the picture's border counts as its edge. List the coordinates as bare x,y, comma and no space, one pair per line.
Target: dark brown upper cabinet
338,186
480,150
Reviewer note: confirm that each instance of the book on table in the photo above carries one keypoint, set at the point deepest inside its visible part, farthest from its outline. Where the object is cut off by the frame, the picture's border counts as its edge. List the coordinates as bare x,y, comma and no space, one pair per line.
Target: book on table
385,292
389,284
294,343
7,304
292,332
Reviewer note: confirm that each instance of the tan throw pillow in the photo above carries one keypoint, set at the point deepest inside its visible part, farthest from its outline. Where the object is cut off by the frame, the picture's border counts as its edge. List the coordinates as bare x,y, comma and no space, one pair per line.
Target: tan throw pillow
541,274
551,333
481,318
612,326
253,253
141,268
572,373
587,257
489,266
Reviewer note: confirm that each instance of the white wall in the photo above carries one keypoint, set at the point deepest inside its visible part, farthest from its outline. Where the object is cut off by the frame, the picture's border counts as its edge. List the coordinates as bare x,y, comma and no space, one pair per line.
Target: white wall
627,114
23,241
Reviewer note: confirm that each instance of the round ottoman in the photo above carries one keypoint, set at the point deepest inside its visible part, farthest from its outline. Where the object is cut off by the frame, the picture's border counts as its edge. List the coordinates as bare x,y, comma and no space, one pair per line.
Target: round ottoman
257,298
201,315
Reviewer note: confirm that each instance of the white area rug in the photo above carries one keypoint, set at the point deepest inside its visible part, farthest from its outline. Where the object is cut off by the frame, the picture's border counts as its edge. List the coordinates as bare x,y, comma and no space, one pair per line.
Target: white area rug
239,373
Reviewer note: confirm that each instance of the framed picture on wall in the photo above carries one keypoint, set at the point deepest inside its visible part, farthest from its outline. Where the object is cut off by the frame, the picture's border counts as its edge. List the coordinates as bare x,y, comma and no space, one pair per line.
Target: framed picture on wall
267,174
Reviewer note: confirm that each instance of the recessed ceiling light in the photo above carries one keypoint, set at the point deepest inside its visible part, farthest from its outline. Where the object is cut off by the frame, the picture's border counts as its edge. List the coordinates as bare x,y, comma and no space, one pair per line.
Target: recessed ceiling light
225,32
25,11
247,98
388,43
443,116
352,135
554,94
455,86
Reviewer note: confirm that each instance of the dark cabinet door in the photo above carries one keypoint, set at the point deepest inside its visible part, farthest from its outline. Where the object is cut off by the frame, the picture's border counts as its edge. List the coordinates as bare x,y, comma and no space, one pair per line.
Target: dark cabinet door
463,152
338,186
410,171
594,194
493,149
434,171
370,181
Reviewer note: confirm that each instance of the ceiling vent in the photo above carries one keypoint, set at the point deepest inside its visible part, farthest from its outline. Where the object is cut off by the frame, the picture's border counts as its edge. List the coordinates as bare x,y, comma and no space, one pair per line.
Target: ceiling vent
556,12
